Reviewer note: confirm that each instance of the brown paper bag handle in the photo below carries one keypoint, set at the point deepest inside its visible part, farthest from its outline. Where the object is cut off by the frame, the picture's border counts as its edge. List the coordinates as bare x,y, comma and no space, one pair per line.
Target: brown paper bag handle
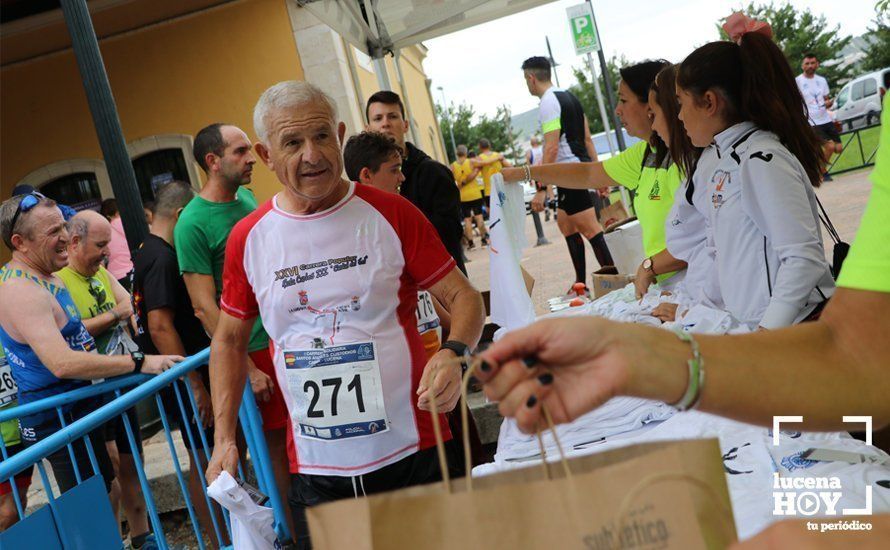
464,418
437,433
728,522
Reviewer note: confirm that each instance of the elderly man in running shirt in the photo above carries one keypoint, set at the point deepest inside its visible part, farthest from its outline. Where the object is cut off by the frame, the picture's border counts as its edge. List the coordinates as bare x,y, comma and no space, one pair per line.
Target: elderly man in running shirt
338,303
48,347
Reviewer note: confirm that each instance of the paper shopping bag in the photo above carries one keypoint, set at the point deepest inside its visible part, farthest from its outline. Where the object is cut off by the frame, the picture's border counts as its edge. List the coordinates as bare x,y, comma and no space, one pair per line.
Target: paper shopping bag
657,495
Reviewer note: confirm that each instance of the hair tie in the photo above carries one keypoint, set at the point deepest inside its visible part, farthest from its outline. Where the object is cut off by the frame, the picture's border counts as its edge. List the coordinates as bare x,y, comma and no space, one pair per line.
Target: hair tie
738,24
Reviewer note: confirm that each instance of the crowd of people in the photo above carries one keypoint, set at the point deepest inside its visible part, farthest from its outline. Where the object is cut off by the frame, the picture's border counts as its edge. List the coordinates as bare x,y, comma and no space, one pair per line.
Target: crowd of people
209,272
344,302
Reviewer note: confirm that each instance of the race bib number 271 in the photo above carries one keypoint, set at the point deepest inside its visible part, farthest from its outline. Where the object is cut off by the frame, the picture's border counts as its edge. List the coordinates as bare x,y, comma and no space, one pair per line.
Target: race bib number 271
336,391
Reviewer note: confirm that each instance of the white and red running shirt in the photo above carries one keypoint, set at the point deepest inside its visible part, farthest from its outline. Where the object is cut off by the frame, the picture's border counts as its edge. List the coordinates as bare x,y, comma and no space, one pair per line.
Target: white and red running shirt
337,292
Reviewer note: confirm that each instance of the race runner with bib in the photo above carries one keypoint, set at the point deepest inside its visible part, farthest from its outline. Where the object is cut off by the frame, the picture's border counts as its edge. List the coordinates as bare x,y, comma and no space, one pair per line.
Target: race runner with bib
340,306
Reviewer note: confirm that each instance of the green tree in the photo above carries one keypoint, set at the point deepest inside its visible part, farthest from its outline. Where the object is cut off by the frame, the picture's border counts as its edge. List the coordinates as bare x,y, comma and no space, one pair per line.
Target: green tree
586,95
877,54
800,31
458,119
469,129
512,150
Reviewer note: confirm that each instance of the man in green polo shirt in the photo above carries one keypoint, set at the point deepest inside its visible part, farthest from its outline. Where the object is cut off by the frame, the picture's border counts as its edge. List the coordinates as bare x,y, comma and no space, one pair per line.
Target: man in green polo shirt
224,153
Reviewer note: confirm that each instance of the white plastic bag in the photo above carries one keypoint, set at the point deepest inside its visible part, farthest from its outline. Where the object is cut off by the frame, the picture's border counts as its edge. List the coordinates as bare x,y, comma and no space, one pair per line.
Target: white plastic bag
511,306
251,523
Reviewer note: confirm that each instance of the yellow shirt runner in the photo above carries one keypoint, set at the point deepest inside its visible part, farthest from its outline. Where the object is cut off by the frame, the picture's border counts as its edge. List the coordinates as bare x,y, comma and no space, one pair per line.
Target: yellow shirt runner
469,189
489,170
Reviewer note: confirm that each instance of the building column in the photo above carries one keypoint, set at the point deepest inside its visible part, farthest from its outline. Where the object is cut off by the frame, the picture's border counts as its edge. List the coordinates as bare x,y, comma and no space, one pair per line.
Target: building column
323,57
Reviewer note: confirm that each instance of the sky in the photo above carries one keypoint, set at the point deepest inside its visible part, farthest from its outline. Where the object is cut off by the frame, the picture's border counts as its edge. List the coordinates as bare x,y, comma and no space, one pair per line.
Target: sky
480,65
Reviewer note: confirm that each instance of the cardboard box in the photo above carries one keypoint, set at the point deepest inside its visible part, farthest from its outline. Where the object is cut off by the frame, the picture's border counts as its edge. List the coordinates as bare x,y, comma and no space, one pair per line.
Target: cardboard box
606,280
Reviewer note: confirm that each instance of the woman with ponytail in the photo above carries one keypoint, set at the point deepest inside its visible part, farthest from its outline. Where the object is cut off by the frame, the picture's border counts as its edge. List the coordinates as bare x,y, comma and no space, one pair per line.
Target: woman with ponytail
763,161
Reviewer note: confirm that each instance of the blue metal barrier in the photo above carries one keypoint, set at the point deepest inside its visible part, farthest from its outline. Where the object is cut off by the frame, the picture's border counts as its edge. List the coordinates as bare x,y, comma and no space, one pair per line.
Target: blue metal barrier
146,386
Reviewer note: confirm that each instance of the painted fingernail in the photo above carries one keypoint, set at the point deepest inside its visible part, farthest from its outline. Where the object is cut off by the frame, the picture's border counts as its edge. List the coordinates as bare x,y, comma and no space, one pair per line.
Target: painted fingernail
532,401
545,379
484,367
530,361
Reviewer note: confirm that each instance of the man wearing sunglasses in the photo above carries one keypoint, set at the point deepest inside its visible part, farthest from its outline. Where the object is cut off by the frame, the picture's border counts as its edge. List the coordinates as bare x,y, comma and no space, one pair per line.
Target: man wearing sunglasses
45,342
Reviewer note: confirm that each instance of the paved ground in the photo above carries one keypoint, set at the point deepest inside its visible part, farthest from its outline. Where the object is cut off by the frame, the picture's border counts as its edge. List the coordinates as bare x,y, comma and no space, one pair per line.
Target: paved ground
844,198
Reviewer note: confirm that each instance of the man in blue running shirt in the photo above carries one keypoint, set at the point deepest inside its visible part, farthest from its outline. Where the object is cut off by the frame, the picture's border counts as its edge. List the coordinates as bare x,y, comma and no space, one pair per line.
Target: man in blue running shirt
47,346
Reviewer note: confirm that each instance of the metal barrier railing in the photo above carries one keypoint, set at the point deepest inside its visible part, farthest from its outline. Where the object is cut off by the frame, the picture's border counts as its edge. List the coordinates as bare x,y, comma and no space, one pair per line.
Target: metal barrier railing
146,386
866,158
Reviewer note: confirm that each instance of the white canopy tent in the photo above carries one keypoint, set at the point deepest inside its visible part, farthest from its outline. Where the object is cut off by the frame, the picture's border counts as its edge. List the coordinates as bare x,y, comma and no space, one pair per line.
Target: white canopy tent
378,27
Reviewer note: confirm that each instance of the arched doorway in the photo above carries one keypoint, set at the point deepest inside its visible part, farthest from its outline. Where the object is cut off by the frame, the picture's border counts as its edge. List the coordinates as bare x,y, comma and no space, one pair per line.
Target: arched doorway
79,190
78,183
157,168
160,159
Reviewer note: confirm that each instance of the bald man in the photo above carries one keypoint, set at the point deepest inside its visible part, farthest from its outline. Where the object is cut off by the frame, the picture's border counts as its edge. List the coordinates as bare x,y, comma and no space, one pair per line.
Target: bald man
103,303
105,308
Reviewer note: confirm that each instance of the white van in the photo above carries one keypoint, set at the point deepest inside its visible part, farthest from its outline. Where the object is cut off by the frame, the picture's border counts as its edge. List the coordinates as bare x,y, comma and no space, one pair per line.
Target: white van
861,98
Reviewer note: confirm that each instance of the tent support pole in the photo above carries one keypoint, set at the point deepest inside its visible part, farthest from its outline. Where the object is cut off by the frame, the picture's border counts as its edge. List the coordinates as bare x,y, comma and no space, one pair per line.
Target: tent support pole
382,75
412,128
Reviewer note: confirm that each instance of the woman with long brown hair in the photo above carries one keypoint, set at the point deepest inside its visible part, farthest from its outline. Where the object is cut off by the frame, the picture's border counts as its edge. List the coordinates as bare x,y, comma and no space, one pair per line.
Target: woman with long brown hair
763,161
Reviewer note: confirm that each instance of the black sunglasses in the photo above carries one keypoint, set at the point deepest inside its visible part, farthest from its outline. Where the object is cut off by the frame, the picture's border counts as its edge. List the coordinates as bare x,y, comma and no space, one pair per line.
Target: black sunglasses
97,290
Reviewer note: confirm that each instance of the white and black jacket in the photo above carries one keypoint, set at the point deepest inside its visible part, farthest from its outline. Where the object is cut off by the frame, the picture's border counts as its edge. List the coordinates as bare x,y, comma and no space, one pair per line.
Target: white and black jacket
771,263
688,237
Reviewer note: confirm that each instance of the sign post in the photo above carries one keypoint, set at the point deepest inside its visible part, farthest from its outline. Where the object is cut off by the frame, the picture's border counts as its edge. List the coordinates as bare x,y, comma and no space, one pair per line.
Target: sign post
583,30
586,40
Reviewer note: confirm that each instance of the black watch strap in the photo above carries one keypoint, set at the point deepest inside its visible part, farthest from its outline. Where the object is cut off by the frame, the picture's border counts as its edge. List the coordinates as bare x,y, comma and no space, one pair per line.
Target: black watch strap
458,348
138,360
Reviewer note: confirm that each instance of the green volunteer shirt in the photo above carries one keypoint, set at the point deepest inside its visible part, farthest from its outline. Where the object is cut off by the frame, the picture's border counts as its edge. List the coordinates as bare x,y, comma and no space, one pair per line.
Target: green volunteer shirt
93,296
200,239
654,188
868,265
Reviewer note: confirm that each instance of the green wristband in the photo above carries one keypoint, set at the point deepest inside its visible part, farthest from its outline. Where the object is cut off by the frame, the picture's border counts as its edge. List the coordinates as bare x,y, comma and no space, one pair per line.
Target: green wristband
696,374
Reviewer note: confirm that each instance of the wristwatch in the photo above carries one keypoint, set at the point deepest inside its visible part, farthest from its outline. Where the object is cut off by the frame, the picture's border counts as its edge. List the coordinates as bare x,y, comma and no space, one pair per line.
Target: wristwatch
461,350
138,359
648,266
